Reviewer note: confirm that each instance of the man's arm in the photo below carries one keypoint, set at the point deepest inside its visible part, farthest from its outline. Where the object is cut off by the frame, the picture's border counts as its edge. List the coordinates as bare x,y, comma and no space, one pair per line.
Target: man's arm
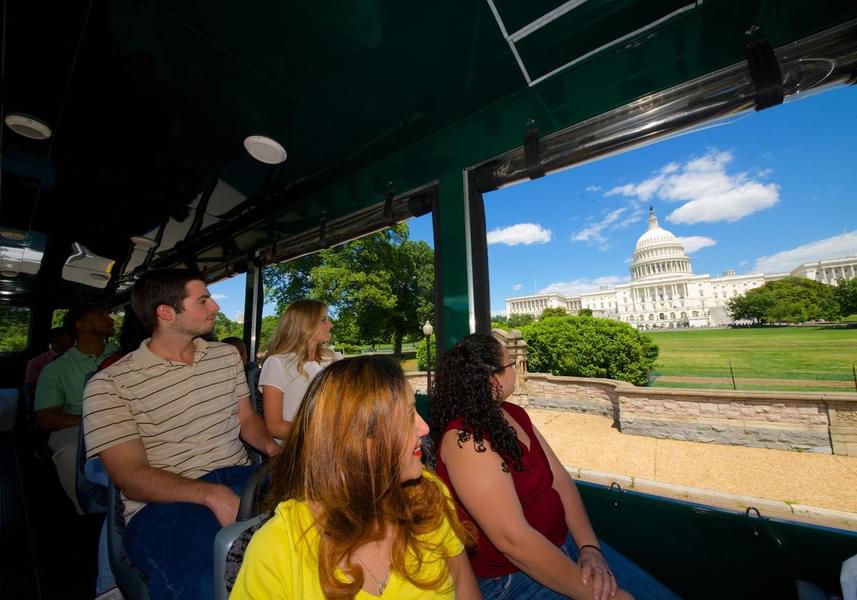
128,468
50,402
53,418
253,430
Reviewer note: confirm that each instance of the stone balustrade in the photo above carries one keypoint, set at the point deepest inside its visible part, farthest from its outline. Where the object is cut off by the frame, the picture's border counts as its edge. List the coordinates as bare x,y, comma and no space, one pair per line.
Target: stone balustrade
803,421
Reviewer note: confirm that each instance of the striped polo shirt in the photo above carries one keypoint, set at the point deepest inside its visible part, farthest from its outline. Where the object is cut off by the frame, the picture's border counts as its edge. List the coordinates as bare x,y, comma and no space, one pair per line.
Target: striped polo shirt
185,415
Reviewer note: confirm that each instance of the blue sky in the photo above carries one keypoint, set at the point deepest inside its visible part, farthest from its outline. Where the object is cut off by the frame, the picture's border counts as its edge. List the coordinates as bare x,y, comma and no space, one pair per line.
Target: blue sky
761,193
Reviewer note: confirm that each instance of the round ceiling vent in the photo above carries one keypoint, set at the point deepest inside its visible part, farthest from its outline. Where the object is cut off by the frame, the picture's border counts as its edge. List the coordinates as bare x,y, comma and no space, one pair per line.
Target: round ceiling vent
265,150
8,273
29,127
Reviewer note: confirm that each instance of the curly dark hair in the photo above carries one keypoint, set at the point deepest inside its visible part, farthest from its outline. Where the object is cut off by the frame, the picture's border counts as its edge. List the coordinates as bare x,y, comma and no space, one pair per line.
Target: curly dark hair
463,389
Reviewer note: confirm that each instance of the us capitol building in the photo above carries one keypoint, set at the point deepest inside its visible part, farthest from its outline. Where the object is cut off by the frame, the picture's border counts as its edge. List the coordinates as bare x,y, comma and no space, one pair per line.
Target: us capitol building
664,293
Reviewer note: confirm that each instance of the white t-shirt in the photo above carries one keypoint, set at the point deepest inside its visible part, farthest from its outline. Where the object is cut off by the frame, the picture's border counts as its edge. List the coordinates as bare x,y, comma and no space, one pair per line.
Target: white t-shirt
281,372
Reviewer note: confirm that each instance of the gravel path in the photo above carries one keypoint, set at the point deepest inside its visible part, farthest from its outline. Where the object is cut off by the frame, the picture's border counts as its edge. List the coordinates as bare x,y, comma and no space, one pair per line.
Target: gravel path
590,442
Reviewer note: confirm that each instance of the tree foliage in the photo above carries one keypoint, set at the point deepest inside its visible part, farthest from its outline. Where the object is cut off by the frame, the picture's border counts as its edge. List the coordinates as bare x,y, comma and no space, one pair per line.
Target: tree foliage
14,327
553,312
513,322
787,300
379,287
423,360
846,295
225,327
589,347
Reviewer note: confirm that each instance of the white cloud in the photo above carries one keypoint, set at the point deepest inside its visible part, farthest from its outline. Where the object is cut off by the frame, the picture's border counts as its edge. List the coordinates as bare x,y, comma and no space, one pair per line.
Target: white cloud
692,243
239,317
219,296
578,286
844,244
593,188
517,286
707,192
522,233
592,233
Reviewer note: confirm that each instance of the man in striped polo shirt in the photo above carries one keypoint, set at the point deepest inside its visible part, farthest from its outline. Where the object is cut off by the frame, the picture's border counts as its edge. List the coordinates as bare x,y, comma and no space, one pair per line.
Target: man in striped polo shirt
165,420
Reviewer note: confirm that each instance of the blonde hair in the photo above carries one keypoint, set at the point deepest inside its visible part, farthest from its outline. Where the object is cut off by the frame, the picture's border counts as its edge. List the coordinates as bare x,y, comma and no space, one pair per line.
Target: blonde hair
343,453
296,326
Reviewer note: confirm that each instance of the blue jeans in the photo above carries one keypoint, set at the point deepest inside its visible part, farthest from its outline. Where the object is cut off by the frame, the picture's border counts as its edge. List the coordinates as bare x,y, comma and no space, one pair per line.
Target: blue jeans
629,577
174,543
96,473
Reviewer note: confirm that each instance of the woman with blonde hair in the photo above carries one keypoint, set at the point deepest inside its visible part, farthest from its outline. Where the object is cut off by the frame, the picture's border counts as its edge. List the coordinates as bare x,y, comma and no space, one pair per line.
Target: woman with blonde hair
296,353
356,514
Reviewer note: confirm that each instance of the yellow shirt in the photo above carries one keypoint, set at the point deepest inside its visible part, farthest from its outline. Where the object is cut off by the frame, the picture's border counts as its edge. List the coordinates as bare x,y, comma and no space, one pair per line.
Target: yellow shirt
282,560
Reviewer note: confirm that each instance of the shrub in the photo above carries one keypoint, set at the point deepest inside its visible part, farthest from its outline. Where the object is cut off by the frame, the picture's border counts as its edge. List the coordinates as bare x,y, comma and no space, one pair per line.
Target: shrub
589,347
422,363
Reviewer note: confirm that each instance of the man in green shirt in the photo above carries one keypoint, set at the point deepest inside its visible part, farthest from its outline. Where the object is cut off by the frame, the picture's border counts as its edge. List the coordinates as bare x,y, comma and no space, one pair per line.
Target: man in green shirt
59,391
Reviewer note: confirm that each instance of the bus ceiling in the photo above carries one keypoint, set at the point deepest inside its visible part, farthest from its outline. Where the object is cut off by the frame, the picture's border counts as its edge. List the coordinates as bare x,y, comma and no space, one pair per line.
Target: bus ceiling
130,127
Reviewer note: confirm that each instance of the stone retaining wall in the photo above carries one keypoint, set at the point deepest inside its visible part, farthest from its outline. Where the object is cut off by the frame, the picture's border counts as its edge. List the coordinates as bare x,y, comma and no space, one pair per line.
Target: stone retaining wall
804,421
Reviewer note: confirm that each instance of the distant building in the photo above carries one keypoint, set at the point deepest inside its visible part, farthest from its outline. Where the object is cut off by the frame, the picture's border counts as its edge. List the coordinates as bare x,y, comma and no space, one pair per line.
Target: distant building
664,293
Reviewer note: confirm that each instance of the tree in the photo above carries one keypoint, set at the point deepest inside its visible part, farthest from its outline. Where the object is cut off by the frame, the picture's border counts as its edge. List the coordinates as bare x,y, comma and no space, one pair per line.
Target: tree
225,327
846,296
423,362
553,312
379,288
787,300
269,326
14,326
589,347
518,321
289,281
584,312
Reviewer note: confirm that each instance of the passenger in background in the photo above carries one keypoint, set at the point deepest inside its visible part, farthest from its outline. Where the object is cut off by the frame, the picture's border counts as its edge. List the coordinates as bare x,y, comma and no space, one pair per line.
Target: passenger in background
355,514
296,353
59,390
251,370
535,538
166,420
60,340
131,335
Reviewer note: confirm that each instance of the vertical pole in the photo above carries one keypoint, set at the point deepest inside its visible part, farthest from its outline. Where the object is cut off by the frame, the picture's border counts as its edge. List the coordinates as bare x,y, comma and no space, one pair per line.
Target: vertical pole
428,364
854,375
731,372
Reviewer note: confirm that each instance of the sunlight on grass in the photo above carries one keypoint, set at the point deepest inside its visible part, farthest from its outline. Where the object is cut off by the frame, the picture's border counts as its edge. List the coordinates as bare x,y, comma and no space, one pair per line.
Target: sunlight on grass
805,353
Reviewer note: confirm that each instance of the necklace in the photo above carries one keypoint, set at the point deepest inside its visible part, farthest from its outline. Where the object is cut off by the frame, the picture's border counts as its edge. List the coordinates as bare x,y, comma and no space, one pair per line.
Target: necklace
382,583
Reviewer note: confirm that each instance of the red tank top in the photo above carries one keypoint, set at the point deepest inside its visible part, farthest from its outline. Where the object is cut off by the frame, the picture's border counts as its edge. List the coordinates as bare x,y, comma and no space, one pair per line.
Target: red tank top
540,502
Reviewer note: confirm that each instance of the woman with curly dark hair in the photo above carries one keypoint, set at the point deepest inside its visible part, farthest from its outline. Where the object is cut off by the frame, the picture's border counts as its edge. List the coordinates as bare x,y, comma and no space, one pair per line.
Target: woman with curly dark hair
534,536
355,513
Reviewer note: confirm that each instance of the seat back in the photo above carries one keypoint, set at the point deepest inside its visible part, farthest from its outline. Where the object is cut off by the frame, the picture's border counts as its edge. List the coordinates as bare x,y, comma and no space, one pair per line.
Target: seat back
251,497
252,372
91,496
131,580
230,543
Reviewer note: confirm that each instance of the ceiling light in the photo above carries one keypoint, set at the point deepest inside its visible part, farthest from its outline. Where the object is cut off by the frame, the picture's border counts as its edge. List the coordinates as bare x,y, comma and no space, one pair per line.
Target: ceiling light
29,127
15,236
143,243
8,273
265,150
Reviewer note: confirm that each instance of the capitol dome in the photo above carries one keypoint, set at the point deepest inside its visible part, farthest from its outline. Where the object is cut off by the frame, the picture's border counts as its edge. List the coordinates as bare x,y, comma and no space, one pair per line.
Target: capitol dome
658,253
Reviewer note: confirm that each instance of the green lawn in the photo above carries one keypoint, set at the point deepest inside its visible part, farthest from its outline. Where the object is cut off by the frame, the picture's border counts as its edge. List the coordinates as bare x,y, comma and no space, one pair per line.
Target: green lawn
811,353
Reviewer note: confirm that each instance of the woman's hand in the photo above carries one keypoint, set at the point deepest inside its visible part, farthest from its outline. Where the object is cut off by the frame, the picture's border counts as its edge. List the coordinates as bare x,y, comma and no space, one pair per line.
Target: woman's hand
594,567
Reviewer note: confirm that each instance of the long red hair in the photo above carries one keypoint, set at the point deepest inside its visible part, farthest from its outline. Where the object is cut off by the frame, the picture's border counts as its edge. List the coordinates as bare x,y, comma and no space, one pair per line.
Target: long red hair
343,455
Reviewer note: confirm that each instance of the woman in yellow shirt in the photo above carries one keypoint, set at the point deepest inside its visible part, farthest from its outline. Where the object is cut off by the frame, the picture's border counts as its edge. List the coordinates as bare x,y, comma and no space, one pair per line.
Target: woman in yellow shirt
356,515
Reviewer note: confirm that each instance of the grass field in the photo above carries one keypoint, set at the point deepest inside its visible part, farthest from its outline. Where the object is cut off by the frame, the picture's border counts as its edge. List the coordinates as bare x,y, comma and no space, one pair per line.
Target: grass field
789,353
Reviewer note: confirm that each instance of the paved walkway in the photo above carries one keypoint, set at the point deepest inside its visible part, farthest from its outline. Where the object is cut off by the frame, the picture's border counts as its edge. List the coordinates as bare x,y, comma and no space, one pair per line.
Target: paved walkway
788,479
